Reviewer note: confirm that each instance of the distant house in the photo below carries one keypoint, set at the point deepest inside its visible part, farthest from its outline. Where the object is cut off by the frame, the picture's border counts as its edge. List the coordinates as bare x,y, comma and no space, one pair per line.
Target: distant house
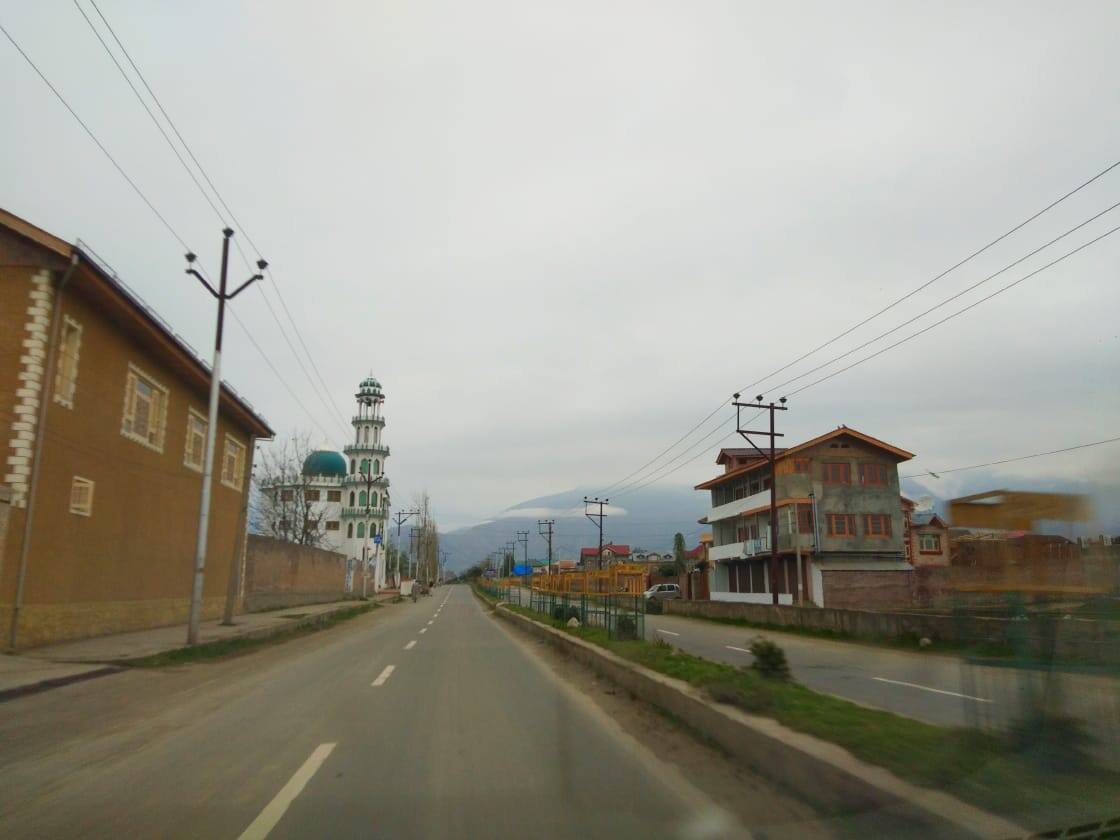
651,558
838,510
612,553
927,536
105,410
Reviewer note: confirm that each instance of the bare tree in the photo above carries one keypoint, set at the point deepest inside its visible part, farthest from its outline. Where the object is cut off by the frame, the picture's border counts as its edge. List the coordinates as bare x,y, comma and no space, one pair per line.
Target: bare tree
427,543
286,505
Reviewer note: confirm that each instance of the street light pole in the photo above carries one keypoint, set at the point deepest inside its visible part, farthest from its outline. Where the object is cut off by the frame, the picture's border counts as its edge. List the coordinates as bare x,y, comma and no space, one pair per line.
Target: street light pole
400,517
212,425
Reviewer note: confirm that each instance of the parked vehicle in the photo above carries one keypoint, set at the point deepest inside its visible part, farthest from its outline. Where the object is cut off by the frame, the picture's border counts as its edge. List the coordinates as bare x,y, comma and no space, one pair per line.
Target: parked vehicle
663,592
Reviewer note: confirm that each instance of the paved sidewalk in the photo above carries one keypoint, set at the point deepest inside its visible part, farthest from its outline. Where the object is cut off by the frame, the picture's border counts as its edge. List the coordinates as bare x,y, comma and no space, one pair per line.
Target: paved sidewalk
123,647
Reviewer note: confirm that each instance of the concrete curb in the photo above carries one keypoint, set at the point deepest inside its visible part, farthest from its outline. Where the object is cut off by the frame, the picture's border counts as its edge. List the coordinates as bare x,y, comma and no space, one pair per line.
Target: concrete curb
259,633
56,682
826,775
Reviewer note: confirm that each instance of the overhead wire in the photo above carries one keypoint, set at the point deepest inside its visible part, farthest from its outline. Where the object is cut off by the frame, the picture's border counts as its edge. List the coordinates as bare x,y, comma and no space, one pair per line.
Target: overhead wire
151,206
1015,228
938,473
324,393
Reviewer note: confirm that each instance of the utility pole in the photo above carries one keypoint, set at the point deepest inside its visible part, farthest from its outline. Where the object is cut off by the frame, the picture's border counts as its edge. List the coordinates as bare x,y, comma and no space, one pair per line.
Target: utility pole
442,565
547,534
523,538
511,551
771,458
212,424
597,518
400,517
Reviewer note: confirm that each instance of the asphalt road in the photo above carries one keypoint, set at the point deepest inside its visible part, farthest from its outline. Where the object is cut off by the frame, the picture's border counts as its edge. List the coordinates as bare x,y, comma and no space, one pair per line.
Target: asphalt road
939,689
419,720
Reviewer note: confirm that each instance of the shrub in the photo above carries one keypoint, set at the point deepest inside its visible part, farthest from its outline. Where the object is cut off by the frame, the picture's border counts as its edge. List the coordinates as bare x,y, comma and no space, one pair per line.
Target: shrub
661,644
738,693
667,570
769,659
654,607
625,627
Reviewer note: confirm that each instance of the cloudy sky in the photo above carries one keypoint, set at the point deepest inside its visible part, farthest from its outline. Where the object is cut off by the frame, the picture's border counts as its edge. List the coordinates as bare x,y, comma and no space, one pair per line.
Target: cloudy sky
560,234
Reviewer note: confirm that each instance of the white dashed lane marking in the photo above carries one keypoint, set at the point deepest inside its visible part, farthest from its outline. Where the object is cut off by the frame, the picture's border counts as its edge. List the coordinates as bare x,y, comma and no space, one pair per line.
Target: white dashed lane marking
732,647
423,629
266,821
934,690
410,645
668,632
384,676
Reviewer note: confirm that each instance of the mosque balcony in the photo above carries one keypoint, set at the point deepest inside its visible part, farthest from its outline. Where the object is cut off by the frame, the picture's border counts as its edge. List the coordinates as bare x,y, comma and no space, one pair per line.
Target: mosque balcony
359,480
362,512
367,449
377,421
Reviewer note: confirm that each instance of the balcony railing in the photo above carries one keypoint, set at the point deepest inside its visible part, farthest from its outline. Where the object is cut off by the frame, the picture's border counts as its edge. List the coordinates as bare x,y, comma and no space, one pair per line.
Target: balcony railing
367,449
375,512
380,480
753,548
734,508
377,421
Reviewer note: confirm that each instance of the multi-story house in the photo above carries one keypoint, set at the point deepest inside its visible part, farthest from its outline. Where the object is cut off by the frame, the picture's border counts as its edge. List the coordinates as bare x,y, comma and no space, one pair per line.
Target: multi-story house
104,411
927,536
840,535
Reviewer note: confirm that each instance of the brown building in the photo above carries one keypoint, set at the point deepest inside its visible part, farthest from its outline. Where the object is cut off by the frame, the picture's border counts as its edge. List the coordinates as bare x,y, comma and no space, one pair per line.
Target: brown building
927,536
105,413
840,525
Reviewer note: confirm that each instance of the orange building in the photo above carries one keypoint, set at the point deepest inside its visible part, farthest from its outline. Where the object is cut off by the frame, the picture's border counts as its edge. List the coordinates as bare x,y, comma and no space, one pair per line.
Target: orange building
105,410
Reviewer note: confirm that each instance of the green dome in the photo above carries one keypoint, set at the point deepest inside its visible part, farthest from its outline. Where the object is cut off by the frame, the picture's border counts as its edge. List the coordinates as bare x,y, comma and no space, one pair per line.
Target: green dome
325,462
369,387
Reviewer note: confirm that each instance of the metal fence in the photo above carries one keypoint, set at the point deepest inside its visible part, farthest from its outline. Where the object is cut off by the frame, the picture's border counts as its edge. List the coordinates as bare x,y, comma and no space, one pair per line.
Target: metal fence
621,615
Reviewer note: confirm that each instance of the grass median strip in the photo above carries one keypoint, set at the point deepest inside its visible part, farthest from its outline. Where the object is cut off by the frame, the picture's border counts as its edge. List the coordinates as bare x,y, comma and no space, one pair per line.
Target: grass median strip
239,645
982,768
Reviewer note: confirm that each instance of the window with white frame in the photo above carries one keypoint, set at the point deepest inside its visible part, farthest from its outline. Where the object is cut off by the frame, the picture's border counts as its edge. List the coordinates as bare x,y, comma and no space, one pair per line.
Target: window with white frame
81,496
145,409
196,440
66,375
233,464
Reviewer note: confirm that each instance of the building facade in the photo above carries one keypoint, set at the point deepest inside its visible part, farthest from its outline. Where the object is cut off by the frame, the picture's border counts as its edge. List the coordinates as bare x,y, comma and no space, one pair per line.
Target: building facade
345,497
105,414
840,535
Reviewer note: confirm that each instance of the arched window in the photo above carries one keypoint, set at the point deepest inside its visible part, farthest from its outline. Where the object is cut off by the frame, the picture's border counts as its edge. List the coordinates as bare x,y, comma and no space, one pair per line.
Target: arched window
361,529
367,434
365,466
362,499
373,529
351,498
350,531
373,499
376,467
352,466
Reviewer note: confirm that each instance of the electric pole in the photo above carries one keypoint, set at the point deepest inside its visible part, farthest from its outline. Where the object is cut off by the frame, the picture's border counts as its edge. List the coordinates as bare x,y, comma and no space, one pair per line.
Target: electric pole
511,552
523,538
597,518
400,517
212,424
547,534
413,565
771,458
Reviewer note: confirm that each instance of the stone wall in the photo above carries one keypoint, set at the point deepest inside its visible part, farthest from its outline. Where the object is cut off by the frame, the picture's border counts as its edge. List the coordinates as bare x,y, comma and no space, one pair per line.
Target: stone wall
281,574
1096,642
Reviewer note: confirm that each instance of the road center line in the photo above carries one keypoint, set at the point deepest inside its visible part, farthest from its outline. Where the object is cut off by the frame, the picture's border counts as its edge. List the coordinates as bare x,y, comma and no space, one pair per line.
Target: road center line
732,647
410,645
667,632
383,676
433,621
934,690
423,629
266,821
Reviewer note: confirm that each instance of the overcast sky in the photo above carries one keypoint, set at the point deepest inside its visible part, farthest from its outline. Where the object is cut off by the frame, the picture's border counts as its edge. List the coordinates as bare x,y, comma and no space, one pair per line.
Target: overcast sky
560,234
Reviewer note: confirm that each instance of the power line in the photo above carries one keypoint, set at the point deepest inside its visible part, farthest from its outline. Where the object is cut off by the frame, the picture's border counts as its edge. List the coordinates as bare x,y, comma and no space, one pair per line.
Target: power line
96,141
949,299
871,317
972,305
283,332
147,202
1017,458
225,204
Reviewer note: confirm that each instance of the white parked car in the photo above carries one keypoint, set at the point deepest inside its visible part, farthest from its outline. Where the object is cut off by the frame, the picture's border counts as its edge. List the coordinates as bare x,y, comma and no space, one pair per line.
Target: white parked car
663,591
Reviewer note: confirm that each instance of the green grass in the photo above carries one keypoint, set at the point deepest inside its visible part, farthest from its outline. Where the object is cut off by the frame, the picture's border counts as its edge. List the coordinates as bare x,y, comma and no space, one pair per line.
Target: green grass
240,645
978,767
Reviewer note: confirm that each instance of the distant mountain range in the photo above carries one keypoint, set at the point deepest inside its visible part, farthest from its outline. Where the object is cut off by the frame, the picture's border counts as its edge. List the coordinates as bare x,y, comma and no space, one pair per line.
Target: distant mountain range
648,518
